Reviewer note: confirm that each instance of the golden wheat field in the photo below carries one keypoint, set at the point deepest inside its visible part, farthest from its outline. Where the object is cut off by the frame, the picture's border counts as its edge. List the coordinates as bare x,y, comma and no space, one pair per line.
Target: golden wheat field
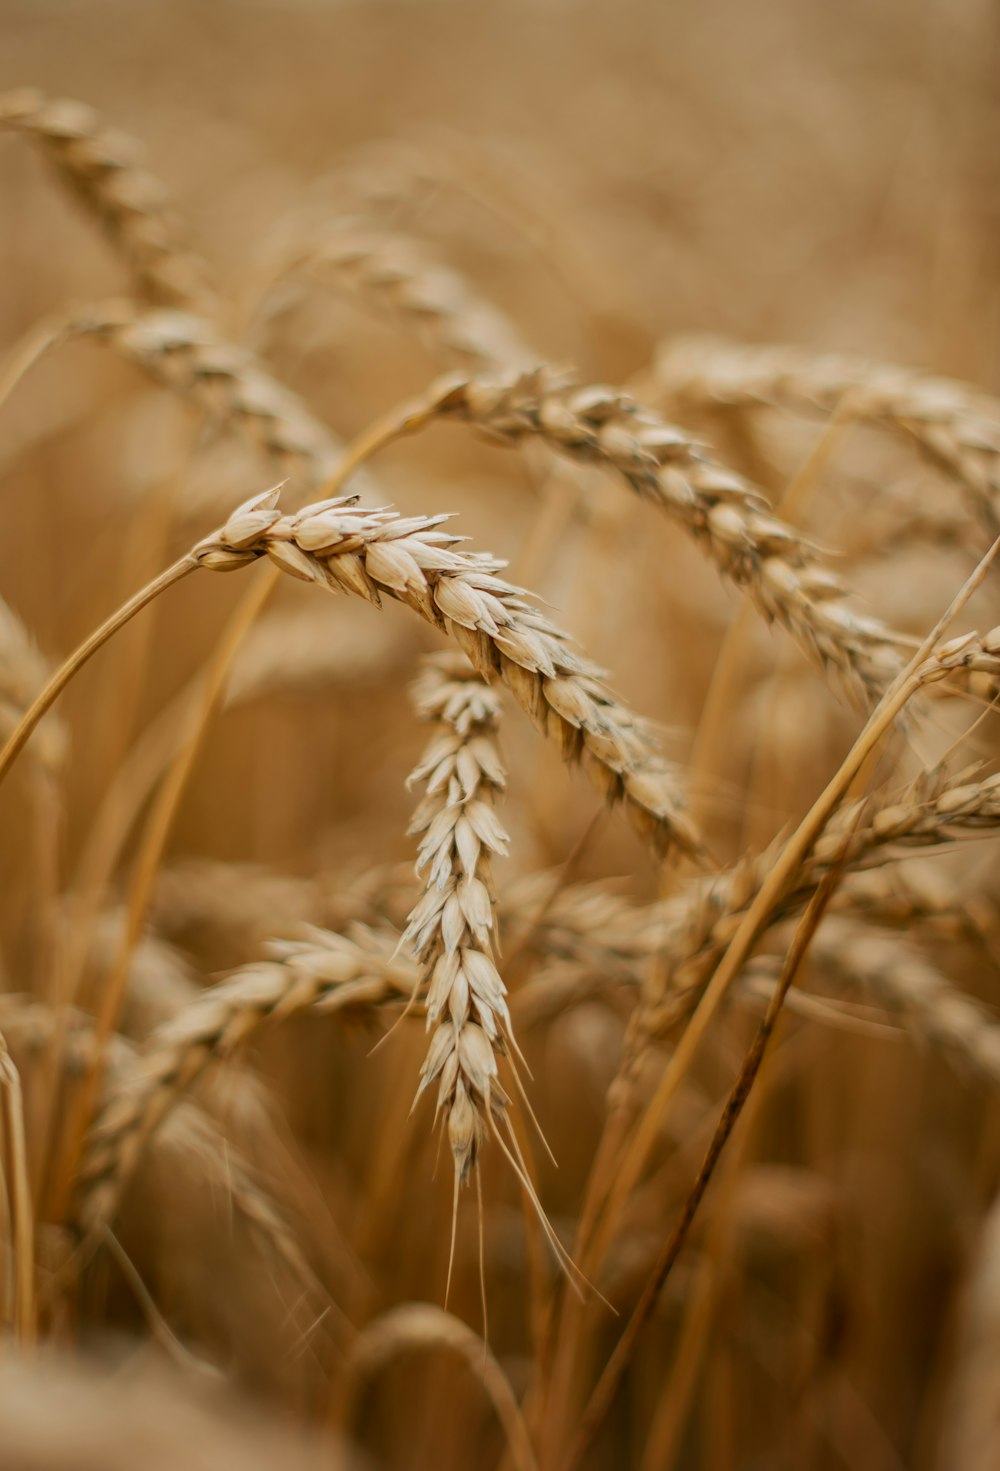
510,977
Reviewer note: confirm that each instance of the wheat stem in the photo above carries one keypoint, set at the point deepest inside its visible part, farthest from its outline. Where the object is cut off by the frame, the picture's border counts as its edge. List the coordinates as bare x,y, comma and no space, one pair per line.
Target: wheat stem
61,678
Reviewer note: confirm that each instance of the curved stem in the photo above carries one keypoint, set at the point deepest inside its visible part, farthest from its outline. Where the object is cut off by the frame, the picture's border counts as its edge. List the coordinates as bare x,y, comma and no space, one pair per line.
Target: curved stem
25,354
152,847
48,696
418,1328
406,418
161,818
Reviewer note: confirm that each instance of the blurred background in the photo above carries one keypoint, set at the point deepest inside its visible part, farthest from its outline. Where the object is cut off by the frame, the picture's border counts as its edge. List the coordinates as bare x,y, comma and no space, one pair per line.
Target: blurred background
602,180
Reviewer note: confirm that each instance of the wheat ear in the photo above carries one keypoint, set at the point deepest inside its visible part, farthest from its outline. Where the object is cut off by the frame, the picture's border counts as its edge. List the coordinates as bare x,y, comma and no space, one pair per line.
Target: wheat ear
328,972
185,353
772,563
33,1028
342,546
954,425
399,278
693,929
896,976
101,166
452,930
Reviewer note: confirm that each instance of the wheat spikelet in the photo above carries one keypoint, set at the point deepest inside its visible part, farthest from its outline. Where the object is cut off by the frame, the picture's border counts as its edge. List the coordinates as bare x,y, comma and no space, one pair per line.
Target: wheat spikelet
100,166
345,547
956,426
780,572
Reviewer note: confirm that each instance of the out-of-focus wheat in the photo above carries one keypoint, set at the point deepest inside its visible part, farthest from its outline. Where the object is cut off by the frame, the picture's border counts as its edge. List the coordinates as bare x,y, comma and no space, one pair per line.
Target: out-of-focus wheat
101,166
954,425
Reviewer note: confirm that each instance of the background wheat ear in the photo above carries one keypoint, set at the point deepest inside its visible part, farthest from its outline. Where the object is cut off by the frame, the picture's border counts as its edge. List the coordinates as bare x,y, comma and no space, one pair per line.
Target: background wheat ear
101,166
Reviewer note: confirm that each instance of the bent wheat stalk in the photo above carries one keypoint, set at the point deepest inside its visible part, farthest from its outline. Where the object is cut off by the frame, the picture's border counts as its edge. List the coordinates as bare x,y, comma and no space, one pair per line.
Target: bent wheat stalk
418,1327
